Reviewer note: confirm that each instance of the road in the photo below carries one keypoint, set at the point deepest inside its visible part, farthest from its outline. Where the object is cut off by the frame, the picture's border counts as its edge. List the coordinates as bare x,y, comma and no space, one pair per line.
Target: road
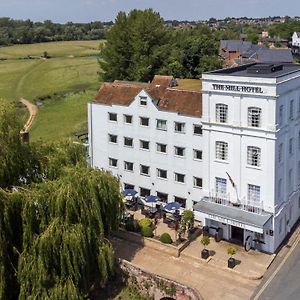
283,281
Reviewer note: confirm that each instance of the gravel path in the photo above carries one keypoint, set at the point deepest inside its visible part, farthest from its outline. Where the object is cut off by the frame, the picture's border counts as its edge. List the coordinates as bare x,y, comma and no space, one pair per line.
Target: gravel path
32,108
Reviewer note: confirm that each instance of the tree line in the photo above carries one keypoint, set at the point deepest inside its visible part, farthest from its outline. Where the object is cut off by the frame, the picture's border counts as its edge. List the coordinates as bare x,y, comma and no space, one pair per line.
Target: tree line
29,32
140,46
55,218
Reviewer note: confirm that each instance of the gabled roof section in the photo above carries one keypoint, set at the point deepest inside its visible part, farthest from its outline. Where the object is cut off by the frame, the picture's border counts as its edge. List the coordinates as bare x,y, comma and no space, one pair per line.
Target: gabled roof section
165,98
297,33
182,101
120,93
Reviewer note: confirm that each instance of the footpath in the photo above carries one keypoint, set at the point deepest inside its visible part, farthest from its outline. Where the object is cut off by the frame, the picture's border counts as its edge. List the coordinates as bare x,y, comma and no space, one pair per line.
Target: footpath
32,114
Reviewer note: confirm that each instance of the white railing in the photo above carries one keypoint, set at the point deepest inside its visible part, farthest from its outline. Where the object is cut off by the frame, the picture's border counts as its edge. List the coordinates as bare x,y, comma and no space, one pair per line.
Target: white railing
242,203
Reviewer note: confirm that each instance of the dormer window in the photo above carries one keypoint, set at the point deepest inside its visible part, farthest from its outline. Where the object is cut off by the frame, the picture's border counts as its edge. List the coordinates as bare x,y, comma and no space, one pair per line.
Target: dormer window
143,101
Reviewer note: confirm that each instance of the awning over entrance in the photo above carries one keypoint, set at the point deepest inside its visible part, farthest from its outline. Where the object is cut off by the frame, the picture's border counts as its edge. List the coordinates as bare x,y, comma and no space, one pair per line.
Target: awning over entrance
232,215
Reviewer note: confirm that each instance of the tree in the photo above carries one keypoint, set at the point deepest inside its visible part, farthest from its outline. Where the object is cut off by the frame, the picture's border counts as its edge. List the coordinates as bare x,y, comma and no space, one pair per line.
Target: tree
135,48
55,220
66,223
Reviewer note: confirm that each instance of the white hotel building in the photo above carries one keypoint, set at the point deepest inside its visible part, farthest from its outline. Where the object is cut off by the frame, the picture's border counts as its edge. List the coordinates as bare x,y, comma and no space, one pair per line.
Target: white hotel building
231,153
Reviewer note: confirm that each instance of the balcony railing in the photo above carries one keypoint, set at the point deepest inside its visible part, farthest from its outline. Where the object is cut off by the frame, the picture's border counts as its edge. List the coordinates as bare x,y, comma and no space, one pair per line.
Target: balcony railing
243,204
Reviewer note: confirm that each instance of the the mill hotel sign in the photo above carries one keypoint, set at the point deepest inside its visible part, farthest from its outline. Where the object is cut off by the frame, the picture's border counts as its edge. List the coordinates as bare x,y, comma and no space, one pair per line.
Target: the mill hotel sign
237,88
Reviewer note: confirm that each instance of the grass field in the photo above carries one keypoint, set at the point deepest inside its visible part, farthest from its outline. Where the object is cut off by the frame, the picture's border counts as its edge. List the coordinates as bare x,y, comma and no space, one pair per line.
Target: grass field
54,49
71,69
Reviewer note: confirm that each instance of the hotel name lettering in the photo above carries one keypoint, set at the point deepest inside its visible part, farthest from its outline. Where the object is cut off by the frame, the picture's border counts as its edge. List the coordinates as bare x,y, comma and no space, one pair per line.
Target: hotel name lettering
227,221
237,88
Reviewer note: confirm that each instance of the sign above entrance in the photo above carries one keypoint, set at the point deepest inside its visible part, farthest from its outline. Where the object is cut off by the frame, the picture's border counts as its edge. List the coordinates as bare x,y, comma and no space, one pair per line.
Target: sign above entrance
234,223
237,88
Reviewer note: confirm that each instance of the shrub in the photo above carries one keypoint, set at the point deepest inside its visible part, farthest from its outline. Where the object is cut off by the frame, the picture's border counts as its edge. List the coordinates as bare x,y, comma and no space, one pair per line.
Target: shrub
132,225
166,238
231,250
205,241
146,222
146,231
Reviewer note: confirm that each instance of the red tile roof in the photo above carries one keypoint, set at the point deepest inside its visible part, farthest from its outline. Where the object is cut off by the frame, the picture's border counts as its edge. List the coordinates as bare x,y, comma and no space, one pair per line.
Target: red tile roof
183,102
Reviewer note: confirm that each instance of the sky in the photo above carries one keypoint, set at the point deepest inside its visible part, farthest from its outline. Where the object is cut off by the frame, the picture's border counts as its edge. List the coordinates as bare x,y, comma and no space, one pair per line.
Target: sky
63,11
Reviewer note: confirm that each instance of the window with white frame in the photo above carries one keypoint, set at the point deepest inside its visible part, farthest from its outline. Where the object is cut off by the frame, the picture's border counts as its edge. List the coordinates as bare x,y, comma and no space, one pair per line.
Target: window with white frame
197,154
221,113
113,162
128,141
281,114
112,117
221,150
179,177
291,146
254,116
221,186
280,188
143,101
145,145
128,166
254,194
144,170
197,129
161,124
179,127
162,148
253,156
127,119
112,138
179,151
280,225
290,179
162,173
144,121
280,152
197,182
180,200
144,192
291,109
162,197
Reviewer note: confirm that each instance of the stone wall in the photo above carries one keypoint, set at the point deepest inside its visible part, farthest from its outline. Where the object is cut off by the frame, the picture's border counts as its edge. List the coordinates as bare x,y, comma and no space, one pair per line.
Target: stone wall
156,286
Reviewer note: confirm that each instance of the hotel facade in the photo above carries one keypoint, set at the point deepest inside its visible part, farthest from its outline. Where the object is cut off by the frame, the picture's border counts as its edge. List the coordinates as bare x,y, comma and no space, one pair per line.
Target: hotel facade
230,153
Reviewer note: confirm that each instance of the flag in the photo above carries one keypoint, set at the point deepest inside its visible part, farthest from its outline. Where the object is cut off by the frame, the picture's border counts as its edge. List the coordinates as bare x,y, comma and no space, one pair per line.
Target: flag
231,180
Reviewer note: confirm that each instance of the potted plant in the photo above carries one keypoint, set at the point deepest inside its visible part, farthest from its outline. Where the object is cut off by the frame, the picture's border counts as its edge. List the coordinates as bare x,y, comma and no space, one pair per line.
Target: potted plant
231,261
205,242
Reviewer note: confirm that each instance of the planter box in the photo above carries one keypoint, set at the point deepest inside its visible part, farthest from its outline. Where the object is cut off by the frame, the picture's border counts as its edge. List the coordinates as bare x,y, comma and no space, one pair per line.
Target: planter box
204,254
231,263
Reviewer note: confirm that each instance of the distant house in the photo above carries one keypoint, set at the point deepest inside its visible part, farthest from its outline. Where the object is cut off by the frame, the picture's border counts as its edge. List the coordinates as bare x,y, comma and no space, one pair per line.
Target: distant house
236,52
296,39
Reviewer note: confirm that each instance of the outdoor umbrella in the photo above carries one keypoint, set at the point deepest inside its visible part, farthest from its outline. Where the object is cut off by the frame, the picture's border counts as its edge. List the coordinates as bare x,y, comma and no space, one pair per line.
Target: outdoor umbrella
129,192
151,199
172,206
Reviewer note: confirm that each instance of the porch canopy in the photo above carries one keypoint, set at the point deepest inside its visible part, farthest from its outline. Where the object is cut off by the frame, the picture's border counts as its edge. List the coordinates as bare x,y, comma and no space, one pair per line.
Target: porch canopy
232,215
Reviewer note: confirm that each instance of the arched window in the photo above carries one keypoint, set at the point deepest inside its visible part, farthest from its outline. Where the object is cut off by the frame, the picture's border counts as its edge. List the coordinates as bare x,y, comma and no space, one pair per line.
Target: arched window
254,116
253,156
221,113
221,150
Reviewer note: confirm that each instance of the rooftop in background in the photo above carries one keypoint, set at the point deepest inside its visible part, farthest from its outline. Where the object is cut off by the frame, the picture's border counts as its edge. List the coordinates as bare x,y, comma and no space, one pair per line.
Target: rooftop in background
260,70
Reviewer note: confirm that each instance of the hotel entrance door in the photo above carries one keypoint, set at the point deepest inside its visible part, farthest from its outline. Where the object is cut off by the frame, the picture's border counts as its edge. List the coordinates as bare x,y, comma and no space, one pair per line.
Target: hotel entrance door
237,234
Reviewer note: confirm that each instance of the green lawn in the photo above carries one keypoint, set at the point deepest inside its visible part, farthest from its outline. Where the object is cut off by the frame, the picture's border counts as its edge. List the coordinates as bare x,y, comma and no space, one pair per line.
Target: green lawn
54,49
62,117
72,69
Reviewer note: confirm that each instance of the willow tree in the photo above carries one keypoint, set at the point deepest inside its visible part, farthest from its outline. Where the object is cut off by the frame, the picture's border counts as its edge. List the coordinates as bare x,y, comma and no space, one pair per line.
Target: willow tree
66,223
10,243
